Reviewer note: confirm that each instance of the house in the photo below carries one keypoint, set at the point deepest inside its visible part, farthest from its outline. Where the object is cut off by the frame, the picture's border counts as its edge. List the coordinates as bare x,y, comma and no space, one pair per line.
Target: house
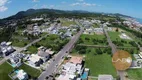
6,48
32,29
37,19
140,55
42,56
98,30
21,75
68,34
105,77
49,51
72,69
35,60
15,60
45,56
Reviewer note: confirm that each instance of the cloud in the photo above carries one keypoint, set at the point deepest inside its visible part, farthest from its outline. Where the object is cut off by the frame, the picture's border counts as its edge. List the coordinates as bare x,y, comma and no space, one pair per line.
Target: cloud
51,6
3,8
83,4
35,0
2,5
44,6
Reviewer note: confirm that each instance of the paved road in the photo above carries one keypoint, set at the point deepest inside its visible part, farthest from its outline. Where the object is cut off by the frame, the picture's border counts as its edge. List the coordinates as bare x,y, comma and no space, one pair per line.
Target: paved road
114,49
68,47
140,48
97,46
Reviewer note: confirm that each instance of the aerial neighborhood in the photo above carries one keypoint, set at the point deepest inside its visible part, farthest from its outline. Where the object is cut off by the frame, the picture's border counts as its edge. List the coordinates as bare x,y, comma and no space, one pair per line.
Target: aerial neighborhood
70,48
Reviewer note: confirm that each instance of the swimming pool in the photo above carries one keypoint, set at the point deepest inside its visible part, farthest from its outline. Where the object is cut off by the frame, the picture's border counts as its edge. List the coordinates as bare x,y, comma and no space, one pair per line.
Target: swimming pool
16,71
84,75
13,65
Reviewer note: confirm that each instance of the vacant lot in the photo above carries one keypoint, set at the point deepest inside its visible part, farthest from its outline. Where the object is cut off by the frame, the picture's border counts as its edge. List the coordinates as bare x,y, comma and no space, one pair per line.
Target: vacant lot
98,63
67,23
92,39
120,42
135,74
20,40
5,69
51,41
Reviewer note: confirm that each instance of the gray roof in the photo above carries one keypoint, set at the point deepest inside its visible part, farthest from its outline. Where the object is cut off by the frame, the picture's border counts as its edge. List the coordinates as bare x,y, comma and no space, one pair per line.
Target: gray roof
43,54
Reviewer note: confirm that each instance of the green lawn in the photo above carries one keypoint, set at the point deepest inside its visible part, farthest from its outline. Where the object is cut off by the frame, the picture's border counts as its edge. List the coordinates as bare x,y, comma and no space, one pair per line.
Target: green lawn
97,63
20,43
67,23
34,73
5,69
96,25
114,36
92,39
135,74
51,41
32,49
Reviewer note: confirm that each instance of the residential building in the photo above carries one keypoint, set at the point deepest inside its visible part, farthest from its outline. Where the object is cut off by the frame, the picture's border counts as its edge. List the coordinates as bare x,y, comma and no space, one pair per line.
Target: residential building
16,60
21,75
32,29
35,60
72,69
6,48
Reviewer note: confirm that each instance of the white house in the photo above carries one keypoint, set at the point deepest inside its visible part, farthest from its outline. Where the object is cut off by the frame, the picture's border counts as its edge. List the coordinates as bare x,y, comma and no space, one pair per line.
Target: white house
21,75
6,48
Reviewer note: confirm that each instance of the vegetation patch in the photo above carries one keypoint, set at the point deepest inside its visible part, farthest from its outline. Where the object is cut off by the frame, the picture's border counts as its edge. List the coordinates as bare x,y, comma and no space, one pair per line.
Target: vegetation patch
93,39
32,72
134,74
96,59
5,69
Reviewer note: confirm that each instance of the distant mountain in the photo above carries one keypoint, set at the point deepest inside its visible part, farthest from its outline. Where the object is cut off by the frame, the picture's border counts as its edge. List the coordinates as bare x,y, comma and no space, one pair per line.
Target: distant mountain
54,12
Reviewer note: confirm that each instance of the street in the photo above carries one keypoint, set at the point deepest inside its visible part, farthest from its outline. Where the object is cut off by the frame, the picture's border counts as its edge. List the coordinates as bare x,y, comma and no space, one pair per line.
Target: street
67,48
114,49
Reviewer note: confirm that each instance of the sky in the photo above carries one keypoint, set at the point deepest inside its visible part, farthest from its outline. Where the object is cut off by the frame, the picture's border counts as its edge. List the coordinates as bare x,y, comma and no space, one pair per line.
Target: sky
127,7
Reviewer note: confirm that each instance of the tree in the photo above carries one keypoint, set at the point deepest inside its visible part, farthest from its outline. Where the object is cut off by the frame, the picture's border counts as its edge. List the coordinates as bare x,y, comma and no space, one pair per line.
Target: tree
117,30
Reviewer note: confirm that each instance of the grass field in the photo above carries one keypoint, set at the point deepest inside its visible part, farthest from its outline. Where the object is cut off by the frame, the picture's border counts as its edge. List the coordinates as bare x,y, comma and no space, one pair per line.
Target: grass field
32,49
135,74
34,73
115,37
20,40
5,69
96,25
52,41
98,63
67,23
89,39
